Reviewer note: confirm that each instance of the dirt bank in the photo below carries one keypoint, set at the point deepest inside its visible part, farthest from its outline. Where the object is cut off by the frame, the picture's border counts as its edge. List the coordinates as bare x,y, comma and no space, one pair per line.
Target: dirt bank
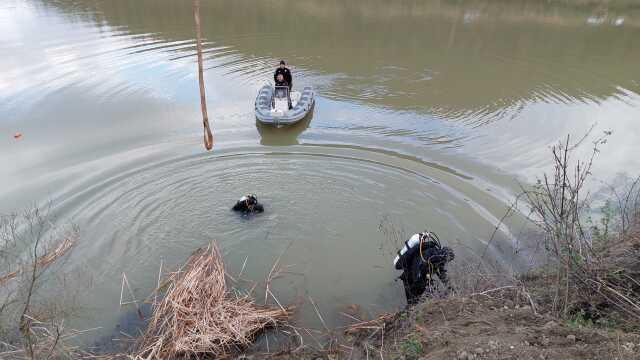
519,321
483,326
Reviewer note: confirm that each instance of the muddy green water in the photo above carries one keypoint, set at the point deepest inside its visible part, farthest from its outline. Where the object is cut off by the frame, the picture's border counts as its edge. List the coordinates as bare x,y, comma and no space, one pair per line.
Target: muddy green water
427,113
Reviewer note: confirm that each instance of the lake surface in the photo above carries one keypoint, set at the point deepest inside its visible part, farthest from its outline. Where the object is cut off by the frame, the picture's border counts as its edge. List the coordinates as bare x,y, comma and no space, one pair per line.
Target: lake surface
428,115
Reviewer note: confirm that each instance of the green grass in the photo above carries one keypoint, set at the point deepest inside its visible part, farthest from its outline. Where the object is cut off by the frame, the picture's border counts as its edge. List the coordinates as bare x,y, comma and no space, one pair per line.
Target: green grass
580,320
411,348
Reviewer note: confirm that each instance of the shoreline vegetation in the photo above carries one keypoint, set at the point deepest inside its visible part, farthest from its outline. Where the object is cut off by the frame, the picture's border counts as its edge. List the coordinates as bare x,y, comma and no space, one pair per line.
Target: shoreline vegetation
583,302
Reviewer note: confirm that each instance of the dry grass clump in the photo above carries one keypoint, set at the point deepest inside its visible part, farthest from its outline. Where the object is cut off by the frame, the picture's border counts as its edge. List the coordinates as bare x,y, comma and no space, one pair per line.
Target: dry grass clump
46,259
613,283
377,324
199,316
54,341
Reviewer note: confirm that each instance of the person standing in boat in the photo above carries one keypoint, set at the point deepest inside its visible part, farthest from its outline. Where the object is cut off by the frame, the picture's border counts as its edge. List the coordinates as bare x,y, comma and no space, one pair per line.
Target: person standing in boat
285,72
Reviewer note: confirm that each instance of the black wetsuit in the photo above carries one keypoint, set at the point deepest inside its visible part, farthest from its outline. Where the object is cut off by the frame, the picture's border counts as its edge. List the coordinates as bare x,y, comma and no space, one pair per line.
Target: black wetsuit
248,204
419,270
286,73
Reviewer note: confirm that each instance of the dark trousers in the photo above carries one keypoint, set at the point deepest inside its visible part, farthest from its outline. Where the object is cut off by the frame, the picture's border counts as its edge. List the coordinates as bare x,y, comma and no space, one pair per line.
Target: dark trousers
413,290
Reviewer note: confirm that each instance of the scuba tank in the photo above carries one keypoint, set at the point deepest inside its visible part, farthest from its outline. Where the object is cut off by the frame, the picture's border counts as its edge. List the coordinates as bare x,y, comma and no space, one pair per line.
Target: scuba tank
422,257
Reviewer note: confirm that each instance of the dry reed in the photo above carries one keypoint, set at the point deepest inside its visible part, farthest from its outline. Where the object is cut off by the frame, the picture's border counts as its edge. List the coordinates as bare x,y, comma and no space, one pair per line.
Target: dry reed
55,341
199,316
46,259
378,323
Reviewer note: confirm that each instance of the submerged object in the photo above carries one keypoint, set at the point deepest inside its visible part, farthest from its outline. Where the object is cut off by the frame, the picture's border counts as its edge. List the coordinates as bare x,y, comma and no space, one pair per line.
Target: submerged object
278,106
248,204
422,257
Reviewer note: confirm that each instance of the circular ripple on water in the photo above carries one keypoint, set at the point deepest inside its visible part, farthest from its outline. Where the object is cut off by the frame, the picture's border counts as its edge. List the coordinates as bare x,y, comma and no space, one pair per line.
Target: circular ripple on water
324,206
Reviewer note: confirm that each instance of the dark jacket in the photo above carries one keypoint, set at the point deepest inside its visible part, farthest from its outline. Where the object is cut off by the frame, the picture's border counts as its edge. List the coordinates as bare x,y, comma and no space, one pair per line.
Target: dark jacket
419,269
248,204
286,73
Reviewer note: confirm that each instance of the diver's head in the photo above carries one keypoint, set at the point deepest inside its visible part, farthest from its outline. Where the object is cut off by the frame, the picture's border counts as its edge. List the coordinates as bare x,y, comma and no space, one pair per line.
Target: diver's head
252,199
249,199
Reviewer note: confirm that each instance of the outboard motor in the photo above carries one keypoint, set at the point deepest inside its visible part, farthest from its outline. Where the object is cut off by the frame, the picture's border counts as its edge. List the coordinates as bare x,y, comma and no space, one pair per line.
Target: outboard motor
248,204
422,257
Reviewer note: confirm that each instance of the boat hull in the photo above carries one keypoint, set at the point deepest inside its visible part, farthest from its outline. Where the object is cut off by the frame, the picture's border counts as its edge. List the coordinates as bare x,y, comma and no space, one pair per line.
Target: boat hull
297,113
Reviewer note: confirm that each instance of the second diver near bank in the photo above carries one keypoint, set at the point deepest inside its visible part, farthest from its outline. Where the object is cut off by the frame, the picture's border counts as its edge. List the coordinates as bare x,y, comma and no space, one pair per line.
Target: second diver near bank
421,258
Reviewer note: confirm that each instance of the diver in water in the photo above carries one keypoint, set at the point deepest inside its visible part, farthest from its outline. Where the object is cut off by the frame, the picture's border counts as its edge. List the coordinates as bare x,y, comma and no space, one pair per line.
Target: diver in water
420,259
248,204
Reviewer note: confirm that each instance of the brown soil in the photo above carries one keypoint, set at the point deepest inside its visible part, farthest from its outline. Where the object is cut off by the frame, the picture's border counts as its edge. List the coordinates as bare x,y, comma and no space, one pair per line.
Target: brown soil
484,328
502,324
480,327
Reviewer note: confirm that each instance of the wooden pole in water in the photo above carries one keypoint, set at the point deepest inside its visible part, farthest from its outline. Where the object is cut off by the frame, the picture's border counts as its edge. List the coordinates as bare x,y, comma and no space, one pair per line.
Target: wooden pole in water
208,136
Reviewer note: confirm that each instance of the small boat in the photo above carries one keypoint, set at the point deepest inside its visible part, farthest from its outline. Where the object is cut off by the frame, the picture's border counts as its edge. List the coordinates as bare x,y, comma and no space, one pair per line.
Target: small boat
277,106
